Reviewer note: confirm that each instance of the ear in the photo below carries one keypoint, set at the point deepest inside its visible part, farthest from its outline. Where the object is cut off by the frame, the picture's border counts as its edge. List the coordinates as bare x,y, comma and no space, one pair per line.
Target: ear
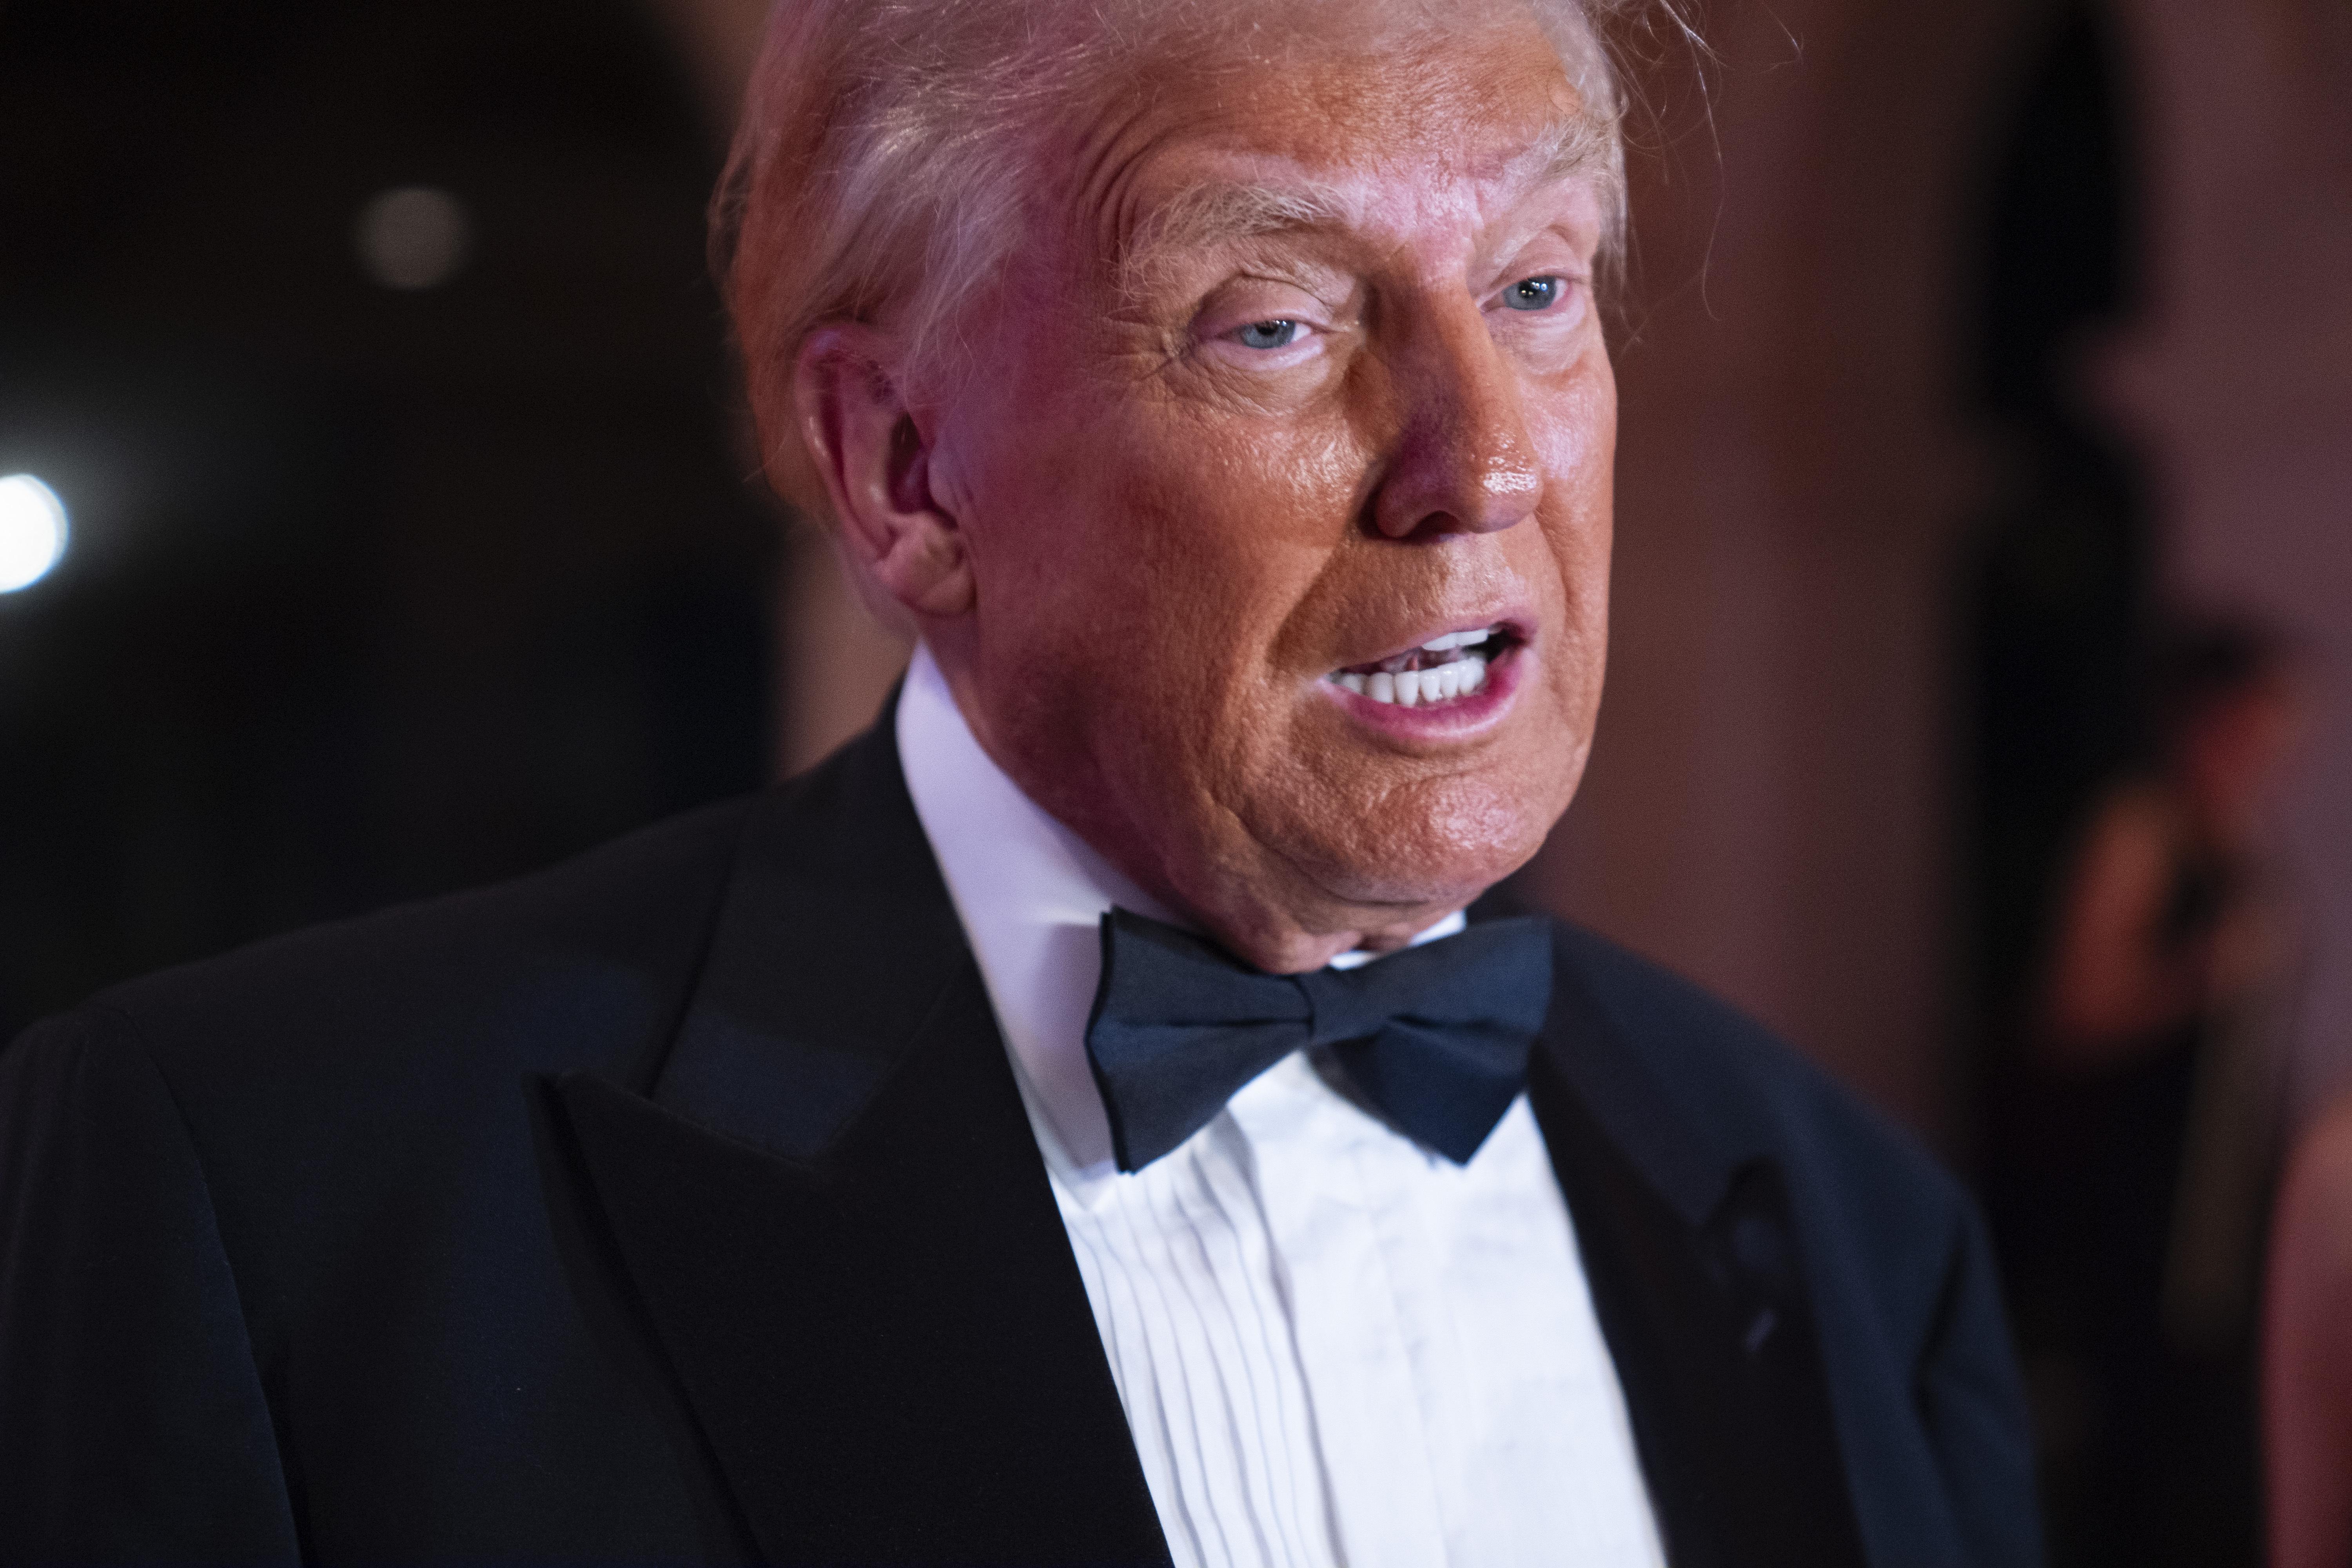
875,463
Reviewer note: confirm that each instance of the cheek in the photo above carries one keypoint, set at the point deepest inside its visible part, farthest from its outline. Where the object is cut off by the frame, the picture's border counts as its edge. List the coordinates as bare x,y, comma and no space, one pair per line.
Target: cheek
1222,539
1142,565
1573,426
1579,448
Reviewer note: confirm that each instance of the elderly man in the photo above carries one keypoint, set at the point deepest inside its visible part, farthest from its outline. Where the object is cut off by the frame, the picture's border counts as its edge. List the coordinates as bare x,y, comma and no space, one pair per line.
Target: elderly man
1092,1118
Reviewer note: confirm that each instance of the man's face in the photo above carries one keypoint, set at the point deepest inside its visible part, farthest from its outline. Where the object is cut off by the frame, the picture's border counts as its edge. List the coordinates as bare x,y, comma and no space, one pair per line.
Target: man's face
1310,387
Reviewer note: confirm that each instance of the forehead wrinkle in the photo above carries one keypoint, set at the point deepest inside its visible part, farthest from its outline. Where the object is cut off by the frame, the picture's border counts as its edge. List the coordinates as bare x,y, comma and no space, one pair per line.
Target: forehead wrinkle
1215,211
1570,150
1101,191
1224,212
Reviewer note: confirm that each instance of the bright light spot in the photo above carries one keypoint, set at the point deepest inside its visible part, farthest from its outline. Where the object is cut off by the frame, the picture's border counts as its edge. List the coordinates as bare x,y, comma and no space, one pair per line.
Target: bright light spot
414,238
32,531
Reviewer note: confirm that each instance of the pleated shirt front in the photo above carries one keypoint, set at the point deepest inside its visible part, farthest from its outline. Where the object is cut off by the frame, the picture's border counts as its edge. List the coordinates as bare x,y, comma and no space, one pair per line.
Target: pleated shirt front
1333,1346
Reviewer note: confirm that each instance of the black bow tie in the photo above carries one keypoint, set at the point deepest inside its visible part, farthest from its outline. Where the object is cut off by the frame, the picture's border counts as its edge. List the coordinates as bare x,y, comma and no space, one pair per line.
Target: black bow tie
1435,1035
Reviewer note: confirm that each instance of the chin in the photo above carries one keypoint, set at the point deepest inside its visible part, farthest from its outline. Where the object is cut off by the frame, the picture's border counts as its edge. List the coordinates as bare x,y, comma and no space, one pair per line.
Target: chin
1287,899
1427,851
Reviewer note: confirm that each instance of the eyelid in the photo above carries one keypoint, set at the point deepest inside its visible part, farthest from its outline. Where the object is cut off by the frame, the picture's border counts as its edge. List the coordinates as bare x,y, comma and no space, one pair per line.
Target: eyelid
1304,335
1569,277
1266,297
1212,326
1546,253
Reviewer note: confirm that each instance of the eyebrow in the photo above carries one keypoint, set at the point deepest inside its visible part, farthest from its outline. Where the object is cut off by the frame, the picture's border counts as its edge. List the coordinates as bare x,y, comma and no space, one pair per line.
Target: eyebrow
1570,147
1225,212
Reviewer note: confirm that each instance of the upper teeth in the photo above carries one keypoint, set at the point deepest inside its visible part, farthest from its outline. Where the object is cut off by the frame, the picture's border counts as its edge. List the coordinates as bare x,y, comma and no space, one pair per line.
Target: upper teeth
1412,687
1408,679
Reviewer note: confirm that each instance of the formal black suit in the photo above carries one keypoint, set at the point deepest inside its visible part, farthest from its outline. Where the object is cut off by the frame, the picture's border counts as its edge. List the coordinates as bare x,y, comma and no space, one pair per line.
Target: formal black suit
678,1202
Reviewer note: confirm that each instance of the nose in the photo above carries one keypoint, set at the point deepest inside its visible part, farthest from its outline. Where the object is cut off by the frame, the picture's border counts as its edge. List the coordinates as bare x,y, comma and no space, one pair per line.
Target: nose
1464,460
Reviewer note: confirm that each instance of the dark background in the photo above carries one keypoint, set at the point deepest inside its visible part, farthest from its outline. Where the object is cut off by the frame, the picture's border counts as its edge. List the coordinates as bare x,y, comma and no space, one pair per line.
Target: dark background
376,593
373,592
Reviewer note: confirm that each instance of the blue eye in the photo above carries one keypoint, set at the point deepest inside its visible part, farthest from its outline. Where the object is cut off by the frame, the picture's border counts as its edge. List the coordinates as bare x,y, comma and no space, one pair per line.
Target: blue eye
1533,293
1275,335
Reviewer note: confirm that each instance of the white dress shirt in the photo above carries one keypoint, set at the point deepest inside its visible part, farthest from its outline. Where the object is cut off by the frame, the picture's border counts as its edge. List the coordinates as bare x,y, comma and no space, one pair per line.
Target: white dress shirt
1333,1346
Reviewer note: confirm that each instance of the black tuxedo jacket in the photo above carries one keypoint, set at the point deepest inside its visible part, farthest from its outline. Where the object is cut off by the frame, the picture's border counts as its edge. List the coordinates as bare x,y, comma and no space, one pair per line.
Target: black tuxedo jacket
678,1204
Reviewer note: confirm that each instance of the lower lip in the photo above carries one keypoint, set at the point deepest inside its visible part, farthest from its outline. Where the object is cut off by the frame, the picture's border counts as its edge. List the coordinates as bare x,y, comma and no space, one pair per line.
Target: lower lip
1463,716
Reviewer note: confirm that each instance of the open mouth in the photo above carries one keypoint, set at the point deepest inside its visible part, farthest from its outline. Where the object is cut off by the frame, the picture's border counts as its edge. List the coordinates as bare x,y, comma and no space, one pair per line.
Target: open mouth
1443,669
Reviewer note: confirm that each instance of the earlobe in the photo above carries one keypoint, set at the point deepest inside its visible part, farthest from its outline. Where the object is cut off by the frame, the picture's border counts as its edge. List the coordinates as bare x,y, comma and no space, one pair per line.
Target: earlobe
875,463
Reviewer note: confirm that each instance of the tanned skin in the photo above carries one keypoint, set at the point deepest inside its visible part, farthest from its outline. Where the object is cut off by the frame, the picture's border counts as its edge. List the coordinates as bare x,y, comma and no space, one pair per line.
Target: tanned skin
1182,480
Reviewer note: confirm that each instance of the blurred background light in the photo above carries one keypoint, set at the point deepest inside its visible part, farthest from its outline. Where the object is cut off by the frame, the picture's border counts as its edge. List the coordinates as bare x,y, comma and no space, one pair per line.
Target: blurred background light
32,531
413,237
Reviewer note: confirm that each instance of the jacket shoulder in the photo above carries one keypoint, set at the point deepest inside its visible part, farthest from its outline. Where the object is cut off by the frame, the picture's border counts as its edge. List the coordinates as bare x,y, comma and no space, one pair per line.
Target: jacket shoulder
311,1160
1743,1088
586,958
1929,1407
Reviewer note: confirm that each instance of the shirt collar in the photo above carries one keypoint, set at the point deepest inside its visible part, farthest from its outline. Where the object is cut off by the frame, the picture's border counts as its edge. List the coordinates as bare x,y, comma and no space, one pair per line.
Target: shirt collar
1031,895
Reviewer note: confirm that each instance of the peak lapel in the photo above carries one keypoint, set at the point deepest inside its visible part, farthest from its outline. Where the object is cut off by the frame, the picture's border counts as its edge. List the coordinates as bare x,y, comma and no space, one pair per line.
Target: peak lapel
826,1245
1699,1279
